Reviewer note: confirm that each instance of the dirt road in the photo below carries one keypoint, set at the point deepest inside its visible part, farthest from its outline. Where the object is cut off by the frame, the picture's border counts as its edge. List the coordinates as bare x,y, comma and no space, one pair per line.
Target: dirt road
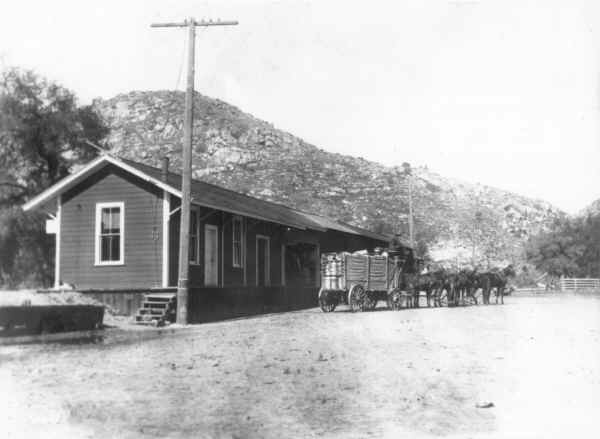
415,373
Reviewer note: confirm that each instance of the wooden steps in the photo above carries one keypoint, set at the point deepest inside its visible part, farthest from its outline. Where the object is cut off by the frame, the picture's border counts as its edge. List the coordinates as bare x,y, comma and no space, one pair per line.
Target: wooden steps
157,309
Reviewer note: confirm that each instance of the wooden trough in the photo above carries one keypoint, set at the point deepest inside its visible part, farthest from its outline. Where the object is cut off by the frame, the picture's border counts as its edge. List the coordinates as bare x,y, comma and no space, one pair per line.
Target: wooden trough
44,319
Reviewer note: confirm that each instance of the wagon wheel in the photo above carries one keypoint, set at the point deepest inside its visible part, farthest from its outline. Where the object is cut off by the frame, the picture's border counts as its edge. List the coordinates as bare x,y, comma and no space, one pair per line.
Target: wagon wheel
370,300
397,299
357,298
327,300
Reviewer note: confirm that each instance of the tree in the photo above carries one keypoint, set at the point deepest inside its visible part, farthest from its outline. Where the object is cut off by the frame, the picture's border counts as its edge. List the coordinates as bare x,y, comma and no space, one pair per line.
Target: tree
571,249
590,239
42,136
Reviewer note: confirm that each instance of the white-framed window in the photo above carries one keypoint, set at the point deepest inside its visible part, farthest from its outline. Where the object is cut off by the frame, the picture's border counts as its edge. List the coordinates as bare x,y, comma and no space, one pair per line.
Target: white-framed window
194,234
238,242
110,233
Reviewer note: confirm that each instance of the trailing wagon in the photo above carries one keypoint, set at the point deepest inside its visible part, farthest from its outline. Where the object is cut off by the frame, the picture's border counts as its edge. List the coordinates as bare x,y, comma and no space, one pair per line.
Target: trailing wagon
362,280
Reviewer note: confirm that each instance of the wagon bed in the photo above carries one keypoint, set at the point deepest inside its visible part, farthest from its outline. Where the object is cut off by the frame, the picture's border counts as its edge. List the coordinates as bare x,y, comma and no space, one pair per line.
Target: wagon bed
359,280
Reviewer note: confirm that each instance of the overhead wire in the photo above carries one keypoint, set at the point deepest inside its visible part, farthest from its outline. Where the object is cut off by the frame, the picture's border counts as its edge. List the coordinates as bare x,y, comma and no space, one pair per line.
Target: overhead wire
182,60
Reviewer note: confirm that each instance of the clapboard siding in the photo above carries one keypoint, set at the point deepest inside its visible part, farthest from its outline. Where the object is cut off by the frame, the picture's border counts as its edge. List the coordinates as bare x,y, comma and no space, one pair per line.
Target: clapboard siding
143,230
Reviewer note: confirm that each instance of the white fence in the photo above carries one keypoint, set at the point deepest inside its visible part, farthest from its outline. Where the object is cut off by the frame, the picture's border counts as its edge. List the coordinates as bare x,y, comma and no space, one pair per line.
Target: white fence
572,284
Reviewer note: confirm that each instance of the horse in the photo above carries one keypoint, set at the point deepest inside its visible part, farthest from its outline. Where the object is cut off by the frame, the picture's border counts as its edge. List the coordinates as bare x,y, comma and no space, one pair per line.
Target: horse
423,280
461,285
496,280
431,282
426,282
472,283
440,281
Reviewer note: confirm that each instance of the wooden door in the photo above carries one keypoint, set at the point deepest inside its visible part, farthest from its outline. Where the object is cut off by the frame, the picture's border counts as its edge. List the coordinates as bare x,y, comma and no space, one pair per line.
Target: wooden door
211,255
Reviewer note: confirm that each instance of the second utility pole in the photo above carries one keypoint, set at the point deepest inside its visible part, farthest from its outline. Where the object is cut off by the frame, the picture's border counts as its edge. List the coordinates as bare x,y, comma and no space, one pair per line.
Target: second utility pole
411,226
186,172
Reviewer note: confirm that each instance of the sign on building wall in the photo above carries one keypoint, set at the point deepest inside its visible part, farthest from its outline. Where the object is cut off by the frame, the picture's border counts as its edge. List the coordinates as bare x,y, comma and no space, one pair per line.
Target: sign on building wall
51,226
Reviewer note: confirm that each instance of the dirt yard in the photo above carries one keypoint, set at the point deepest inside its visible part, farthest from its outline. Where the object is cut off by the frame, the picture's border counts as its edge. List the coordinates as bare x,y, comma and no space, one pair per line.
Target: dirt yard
413,374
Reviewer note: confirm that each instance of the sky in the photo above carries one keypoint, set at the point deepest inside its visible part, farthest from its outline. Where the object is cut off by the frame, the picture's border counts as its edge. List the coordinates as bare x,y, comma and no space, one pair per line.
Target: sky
504,93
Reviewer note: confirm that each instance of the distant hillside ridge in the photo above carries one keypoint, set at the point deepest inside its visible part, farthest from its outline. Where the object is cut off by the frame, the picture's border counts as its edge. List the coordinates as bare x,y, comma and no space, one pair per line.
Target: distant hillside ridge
456,220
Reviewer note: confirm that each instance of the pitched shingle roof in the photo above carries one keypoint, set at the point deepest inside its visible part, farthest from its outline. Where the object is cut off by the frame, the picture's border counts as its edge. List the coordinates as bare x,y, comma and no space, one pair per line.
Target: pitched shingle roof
217,197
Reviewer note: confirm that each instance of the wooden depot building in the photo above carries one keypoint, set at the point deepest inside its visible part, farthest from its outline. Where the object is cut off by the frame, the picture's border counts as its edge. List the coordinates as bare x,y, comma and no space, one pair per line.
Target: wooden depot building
116,223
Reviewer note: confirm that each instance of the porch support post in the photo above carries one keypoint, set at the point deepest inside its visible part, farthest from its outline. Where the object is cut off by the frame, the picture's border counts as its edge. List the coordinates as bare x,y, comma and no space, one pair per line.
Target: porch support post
244,249
318,265
165,238
222,250
57,246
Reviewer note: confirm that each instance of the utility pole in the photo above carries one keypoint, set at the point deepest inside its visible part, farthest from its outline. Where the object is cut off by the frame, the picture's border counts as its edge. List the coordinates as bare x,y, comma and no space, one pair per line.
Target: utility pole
186,182
411,232
476,227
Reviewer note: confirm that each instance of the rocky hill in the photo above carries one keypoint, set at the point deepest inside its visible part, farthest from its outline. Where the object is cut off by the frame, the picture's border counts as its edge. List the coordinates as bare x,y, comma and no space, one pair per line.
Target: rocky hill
456,220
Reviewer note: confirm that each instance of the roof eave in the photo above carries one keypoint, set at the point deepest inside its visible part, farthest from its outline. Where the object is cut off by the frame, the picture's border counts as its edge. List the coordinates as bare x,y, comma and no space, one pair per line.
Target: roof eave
62,185
96,164
247,215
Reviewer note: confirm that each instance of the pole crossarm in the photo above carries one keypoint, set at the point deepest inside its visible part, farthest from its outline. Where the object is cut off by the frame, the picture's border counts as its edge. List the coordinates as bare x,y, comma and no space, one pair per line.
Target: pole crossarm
205,23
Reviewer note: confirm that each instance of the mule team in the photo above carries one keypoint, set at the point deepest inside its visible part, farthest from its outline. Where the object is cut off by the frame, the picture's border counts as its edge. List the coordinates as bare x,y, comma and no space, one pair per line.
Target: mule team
449,287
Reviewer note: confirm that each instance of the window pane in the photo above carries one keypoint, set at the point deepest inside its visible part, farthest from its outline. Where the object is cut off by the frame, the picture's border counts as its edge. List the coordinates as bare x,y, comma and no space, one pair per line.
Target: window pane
237,253
237,231
237,242
105,222
193,222
115,248
105,248
111,220
115,220
193,249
